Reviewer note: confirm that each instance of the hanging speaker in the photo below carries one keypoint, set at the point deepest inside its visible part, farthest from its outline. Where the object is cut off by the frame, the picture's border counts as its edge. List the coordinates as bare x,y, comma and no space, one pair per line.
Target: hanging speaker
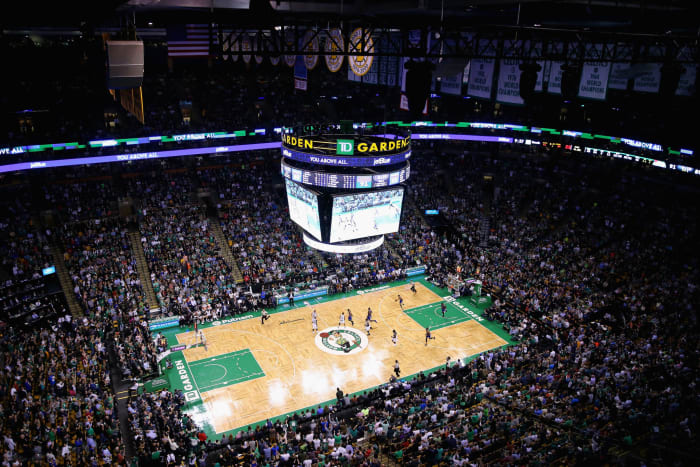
124,64
528,79
418,79
570,77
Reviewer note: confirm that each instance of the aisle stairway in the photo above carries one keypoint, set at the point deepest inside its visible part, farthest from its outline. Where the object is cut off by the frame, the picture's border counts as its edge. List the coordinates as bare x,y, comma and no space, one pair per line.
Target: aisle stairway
485,223
142,269
65,280
484,228
321,259
225,249
392,251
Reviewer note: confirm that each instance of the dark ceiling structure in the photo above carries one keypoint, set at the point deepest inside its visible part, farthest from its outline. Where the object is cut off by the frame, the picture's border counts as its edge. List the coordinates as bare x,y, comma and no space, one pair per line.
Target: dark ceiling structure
630,16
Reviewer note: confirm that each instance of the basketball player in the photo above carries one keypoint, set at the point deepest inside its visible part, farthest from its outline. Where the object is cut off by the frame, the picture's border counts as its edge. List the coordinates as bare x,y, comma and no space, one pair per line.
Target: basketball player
413,287
203,340
367,326
427,336
443,308
394,337
400,299
341,323
369,315
397,370
350,317
264,316
314,322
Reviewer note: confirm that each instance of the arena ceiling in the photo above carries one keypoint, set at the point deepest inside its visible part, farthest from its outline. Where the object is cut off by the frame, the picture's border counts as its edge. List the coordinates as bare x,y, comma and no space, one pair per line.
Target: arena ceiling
638,16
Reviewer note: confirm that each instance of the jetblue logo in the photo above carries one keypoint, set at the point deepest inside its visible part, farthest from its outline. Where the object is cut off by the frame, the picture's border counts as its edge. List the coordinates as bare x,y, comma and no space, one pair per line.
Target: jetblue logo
381,161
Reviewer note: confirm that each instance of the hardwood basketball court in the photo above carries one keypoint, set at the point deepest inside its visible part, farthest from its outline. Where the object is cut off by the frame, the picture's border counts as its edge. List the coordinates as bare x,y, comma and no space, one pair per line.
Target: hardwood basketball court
290,371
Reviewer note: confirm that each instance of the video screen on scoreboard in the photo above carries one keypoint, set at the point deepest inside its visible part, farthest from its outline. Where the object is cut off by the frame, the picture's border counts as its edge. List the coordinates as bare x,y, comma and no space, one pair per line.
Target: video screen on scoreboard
366,214
303,208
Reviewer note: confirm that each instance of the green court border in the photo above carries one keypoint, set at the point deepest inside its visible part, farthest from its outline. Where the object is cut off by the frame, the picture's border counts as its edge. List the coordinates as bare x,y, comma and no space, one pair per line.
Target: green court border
197,411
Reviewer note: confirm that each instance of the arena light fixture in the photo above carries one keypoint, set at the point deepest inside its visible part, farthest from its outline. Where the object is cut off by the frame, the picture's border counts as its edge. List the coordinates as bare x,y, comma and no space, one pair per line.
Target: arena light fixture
344,248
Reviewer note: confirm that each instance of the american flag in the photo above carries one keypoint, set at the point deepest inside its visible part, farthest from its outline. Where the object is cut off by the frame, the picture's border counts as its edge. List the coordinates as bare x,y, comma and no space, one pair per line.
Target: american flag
190,40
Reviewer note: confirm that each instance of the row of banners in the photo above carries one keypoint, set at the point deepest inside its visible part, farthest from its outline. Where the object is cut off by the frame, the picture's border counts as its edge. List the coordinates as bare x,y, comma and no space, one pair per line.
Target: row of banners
360,40
479,75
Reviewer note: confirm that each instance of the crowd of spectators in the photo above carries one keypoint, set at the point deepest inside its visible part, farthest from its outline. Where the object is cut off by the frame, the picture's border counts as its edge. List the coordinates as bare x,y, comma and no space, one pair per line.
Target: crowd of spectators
590,263
56,400
98,256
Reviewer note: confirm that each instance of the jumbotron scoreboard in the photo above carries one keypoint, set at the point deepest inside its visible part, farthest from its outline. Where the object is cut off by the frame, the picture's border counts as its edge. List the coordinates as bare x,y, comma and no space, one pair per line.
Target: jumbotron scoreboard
345,190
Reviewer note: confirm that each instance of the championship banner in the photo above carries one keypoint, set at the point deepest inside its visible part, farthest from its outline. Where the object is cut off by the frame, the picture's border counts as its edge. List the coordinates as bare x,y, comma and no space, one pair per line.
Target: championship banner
289,41
594,75
451,85
448,71
555,72
650,79
361,64
686,84
334,43
553,69
310,44
481,77
246,46
620,72
508,90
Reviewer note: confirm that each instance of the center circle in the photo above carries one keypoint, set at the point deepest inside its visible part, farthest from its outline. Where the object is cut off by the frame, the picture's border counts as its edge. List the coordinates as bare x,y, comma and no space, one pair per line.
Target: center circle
339,340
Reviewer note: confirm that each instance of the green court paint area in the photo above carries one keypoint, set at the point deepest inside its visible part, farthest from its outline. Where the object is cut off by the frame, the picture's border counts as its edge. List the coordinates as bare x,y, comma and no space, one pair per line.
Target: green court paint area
213,372
225,370
431,315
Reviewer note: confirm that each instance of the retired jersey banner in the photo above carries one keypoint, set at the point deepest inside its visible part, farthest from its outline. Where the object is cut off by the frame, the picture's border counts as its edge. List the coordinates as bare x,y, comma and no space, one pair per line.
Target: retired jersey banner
275,60
334,43
259,46
555,72
361,64
686,84
650,79
508,90
300,74
370,77
388,70
246,46
289,41
310,45
481,77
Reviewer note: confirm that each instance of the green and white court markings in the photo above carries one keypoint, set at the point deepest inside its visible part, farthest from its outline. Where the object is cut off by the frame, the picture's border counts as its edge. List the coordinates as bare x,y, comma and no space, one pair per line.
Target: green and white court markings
430,315
225,370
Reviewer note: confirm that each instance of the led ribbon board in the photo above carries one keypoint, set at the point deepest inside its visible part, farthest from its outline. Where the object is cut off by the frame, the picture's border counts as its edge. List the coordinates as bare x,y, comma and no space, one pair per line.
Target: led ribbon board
346,150
345,181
